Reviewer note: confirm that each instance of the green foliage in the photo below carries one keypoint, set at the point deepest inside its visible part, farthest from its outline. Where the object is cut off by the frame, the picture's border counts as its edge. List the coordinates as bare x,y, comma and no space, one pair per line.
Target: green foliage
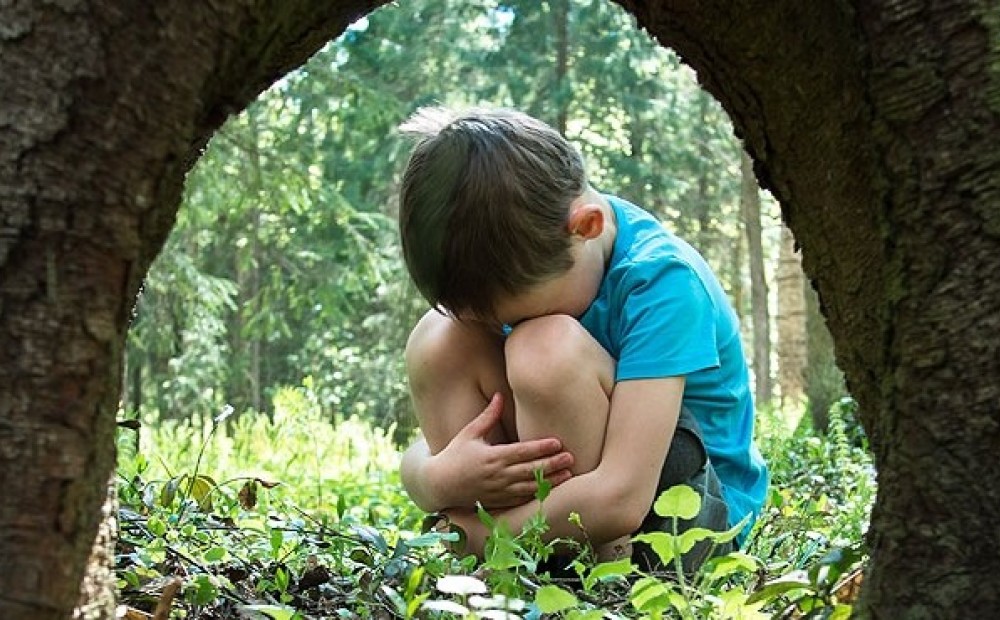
284,261
297,514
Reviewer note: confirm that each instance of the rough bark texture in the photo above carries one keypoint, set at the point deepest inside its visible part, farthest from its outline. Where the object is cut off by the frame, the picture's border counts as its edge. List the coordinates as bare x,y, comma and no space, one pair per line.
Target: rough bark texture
875,123
103,107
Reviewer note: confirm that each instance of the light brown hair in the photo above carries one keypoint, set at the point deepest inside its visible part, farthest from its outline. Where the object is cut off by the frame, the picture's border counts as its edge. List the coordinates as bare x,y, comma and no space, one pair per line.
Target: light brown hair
484,204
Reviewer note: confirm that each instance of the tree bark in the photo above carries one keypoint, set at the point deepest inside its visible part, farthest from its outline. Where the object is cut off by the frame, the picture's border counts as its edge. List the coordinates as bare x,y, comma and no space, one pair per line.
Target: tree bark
103,107
760,314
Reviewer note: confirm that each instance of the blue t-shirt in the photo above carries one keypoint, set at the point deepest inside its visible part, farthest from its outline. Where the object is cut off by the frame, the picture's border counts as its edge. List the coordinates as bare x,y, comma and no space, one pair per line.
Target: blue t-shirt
661,312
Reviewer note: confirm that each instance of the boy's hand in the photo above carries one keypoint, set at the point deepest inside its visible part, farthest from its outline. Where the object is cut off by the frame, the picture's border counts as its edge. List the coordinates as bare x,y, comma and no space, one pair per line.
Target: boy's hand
470,469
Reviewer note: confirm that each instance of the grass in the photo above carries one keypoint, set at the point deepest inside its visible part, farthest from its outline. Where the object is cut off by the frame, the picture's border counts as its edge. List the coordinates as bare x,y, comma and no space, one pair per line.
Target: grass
295,516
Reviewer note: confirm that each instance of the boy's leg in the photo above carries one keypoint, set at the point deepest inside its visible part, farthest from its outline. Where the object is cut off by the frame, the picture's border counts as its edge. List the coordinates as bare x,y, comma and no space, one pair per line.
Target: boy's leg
562,381
454,369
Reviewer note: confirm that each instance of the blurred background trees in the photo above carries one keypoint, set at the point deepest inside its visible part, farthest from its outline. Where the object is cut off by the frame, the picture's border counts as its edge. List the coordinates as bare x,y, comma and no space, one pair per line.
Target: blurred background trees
284,267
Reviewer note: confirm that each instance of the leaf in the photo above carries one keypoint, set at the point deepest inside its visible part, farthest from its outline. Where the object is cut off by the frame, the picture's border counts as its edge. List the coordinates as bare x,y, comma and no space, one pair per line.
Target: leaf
276,538
691,537
215,554
169,492
606,570
371,536
501,550
731,533
447,606
662,543
779,586
248,495
552,599
156,526
717,568
544,486
275,612
497,601
649,594
461,584
200,488
680,501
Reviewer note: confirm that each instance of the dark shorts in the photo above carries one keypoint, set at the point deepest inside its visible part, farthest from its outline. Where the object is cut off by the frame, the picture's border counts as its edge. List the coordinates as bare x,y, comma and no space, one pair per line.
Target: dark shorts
687,463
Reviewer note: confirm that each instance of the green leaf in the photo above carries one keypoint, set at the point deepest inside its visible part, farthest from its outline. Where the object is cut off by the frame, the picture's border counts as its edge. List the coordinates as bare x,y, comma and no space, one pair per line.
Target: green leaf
679,501
717,568
650,594
552,599
690,537
779,586
202,589
544,486
276,538
156,526
501,550
215,554
731,533
606,570
275,612
662,543
201,487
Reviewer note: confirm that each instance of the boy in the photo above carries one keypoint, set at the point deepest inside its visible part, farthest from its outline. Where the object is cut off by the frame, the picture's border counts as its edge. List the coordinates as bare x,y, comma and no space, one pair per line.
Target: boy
569,331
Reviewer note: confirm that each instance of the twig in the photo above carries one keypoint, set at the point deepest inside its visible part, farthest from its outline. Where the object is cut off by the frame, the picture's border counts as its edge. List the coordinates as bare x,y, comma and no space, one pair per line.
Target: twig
167,599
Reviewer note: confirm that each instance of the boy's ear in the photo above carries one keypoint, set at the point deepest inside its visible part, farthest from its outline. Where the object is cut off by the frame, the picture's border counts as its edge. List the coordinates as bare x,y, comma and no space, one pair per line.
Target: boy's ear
587,221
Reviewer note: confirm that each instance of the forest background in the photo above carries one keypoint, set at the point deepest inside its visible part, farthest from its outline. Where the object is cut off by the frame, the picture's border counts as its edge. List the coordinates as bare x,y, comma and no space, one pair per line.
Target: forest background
285,260
281,303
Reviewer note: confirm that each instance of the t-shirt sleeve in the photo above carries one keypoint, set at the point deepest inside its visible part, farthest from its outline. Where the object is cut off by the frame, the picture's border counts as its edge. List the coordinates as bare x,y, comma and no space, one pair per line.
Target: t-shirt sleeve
667,323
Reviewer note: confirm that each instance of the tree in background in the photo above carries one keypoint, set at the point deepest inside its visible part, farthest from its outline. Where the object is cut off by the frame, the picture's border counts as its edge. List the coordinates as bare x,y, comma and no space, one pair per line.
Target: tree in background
761,316
792,340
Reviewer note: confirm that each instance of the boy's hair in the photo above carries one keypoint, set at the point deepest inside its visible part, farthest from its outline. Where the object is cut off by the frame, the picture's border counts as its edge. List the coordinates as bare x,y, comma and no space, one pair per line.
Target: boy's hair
484,205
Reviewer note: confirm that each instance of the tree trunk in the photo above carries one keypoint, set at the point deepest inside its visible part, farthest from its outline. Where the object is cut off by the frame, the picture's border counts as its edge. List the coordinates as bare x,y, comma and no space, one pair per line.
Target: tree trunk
103,107
824,383
792,340
760,315
560,17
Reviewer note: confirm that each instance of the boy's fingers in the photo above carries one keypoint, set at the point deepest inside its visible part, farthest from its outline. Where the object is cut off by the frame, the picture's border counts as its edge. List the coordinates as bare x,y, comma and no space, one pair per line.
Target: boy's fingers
532,451
481,425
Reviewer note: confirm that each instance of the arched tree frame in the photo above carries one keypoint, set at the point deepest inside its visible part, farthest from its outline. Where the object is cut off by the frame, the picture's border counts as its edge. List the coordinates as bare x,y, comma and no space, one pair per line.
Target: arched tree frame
875,123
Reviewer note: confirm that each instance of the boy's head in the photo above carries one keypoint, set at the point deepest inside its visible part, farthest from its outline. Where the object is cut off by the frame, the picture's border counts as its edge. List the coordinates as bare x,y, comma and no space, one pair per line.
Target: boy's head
484,204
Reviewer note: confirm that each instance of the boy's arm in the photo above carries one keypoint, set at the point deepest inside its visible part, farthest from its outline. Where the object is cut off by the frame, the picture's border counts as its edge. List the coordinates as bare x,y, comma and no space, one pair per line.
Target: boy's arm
613,499
471,469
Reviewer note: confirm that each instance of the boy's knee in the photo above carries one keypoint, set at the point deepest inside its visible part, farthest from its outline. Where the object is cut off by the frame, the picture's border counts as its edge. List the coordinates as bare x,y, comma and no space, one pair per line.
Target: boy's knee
541,353
440,347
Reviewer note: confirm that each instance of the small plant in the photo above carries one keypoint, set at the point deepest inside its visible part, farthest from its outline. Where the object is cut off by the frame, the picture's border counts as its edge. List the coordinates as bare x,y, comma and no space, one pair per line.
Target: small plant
201,508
